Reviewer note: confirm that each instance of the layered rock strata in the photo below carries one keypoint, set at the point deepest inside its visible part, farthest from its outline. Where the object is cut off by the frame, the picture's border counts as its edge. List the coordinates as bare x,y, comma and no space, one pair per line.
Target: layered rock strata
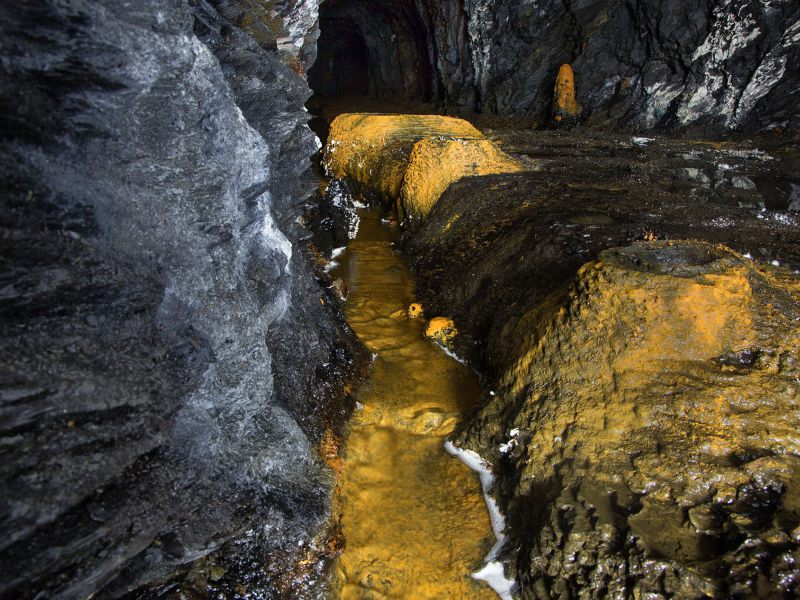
169,362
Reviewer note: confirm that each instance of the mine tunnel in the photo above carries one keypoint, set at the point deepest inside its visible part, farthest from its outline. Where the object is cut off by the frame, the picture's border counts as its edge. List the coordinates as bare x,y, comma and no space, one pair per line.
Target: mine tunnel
521,320
374,50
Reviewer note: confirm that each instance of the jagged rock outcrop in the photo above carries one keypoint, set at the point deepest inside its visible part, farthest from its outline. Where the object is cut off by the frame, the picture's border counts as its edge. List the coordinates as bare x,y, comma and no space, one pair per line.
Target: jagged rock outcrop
169,363
711,64
644,398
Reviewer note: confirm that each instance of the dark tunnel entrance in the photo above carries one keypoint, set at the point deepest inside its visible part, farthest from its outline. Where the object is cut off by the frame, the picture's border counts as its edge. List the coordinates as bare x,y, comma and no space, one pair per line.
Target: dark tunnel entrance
376,50
342,66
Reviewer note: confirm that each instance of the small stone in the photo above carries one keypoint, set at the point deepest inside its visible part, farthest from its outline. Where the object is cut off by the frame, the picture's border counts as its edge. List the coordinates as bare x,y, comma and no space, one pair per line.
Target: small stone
216,572
442,330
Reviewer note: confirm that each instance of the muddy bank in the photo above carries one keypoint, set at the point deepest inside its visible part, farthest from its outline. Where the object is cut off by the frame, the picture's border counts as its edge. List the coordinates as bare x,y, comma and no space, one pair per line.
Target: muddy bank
523,236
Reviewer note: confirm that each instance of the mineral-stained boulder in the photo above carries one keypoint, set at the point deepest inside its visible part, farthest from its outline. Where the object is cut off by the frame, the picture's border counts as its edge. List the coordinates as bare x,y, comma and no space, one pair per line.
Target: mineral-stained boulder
441,329
372,150
656,404
169,362
407,161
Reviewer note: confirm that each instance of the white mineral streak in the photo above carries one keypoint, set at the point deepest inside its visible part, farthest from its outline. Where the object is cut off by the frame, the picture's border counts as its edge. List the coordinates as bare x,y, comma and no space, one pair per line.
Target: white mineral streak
480,44
299,18
508,446
734,30
493,572
659,97
344,202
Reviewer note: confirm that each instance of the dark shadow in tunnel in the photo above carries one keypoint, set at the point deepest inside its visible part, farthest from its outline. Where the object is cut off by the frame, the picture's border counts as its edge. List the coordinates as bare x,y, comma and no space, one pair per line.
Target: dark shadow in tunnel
370,56
342,66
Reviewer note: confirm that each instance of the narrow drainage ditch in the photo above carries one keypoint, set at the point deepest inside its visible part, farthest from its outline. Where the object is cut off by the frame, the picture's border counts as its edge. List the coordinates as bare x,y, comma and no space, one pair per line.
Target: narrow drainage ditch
413,516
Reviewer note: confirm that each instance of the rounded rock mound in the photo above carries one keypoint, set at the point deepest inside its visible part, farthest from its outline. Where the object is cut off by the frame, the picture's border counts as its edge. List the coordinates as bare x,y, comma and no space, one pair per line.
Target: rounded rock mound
657,406
408,161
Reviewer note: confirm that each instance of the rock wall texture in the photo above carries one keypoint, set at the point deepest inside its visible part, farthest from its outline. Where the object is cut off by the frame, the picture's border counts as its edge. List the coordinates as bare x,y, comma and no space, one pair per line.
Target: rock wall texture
169,363
641,64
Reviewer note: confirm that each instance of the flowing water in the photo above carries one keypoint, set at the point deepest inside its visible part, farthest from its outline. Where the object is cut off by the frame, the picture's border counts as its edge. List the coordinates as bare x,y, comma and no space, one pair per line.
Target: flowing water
413,517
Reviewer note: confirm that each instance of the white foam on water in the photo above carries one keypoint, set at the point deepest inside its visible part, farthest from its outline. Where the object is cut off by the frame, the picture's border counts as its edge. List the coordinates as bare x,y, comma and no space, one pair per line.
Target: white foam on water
493,572
451,354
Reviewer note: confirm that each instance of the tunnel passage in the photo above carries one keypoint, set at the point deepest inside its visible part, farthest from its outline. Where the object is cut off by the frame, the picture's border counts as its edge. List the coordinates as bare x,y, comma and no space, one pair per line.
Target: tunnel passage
376,49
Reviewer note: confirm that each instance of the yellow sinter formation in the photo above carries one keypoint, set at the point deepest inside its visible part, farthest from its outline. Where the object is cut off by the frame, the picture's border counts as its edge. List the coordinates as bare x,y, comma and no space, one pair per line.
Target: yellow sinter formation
436,162
410,160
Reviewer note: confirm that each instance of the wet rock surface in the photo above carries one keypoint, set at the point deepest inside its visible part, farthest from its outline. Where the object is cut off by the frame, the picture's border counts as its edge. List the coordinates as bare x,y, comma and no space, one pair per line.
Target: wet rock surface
332,218
655,409
169,362
646,394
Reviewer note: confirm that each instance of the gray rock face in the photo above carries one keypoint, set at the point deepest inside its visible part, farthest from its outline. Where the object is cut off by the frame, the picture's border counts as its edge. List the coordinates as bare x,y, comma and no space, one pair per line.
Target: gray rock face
168,360
642,64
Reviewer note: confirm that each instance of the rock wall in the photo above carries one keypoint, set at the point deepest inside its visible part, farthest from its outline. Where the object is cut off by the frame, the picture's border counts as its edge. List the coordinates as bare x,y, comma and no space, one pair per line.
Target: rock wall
169,363
639,64
721,64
